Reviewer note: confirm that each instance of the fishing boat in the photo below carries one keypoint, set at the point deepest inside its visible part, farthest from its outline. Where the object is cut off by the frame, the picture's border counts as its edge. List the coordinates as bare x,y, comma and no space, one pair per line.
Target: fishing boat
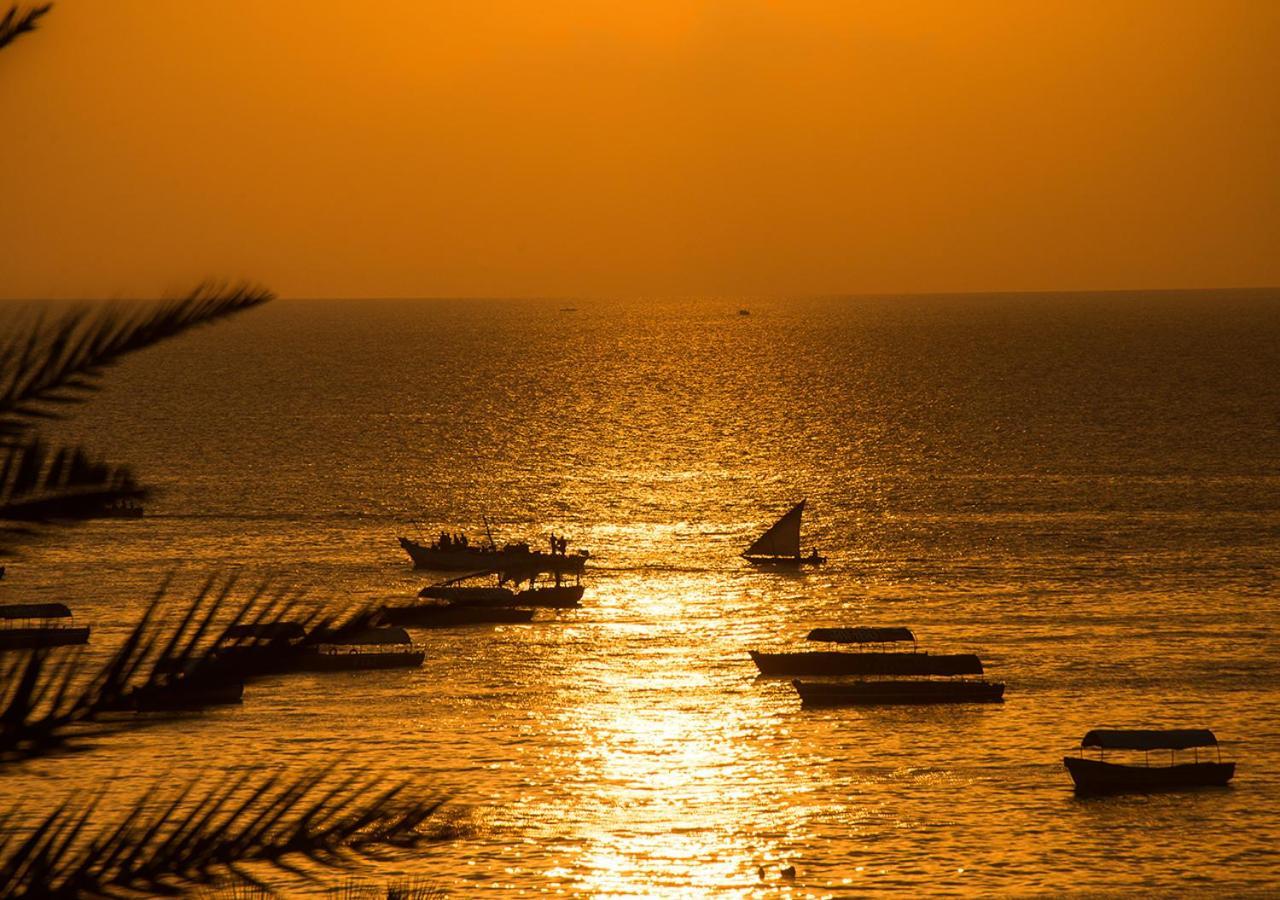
26,626
451,615
892,692
1097,776
780,545
450,557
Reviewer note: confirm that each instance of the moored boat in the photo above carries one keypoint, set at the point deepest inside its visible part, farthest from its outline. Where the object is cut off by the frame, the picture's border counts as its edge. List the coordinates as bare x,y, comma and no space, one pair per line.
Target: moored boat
892,692
780,544
347,650
835,662
27,626
1097,776
878,661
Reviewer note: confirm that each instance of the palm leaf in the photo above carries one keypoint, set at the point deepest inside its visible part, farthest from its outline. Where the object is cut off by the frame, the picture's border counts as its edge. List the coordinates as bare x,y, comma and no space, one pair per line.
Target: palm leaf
203,834
46,367
14,22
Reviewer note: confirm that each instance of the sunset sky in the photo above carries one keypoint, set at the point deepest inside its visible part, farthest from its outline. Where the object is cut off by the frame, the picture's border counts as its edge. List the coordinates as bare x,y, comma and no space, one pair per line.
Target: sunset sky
340,149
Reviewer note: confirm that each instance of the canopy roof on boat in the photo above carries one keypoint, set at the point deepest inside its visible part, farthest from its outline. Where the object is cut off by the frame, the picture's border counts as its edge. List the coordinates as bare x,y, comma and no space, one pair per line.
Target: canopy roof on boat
861,635
1149,739
34,611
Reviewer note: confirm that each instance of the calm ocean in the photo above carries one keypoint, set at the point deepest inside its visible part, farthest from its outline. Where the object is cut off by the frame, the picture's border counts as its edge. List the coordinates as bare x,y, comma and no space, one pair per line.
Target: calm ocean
1084,490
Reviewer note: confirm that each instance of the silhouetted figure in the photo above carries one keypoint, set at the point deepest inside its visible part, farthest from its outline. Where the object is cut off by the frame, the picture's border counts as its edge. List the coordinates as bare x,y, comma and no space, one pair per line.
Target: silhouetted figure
444,540
462,540
553,543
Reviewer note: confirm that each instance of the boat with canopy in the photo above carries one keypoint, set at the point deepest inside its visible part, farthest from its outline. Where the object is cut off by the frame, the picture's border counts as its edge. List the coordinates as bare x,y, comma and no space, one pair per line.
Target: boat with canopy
1098,776
881,659
780,544
26,626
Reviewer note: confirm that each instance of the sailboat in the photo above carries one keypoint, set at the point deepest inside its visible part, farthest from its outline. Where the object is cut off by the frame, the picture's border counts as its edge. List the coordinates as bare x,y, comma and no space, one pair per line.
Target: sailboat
780,545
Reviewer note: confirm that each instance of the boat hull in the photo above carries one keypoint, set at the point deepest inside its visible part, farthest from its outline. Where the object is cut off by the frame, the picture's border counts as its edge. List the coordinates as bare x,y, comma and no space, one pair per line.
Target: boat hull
1092,776
897,693
441,616
832,662
32,638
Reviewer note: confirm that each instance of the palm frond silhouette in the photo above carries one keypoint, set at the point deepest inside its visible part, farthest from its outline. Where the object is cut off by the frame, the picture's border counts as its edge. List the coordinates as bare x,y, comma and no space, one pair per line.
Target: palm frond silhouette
199,835
17,21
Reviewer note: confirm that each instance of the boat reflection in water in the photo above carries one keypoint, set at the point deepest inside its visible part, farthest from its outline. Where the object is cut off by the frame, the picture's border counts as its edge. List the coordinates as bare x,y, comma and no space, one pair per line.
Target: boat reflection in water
1097,776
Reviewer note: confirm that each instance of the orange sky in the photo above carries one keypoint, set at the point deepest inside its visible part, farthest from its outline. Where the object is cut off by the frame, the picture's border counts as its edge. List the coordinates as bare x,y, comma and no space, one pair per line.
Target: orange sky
417,148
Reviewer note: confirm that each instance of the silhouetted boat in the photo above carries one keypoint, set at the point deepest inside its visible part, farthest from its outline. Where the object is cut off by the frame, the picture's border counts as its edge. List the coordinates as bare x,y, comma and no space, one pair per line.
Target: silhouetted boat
515,558
780,545
888,692
829,662
833,662
449,615
1096,776
39,625
349,650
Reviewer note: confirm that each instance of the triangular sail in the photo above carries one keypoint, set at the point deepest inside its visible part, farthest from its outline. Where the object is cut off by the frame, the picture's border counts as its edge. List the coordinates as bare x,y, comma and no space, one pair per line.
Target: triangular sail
783,539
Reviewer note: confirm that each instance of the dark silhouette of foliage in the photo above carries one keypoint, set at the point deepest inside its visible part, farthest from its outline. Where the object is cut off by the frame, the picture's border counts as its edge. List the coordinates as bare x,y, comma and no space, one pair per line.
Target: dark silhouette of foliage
181,661
48,367
16,22
201,836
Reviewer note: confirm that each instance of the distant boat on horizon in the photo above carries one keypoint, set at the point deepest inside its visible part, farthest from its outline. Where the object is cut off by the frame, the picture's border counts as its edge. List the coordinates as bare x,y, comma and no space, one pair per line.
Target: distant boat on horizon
780,545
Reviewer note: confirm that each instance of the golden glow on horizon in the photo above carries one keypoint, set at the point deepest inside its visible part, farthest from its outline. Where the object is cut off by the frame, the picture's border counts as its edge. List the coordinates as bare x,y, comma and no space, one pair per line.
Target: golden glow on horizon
505,148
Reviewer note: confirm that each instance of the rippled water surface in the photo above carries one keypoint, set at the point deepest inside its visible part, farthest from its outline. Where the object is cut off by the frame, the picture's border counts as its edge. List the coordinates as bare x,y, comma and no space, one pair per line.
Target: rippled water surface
1084,491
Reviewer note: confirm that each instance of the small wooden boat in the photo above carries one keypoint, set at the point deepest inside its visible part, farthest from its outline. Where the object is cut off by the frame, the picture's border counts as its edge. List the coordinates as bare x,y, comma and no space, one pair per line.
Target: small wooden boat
892,692
879,661
1097,776
449,615
780,545
350,650
834,662
511,558
26,626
